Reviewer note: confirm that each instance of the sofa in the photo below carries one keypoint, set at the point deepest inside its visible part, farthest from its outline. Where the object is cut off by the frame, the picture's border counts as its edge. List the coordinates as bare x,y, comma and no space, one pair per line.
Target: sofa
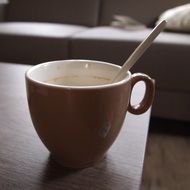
34,31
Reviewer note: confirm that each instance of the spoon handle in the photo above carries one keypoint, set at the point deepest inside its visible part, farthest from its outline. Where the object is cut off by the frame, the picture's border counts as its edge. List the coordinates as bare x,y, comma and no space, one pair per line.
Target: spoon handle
140,50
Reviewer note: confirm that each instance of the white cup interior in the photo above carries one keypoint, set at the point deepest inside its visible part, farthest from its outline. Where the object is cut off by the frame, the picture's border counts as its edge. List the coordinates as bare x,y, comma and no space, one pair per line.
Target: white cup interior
74,73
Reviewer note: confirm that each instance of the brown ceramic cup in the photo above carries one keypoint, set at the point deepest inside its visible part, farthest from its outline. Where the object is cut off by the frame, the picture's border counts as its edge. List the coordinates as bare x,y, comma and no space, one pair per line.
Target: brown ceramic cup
77,112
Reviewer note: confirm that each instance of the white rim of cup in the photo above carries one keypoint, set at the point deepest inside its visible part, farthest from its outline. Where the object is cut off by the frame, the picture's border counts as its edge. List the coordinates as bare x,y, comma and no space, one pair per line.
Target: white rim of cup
27,76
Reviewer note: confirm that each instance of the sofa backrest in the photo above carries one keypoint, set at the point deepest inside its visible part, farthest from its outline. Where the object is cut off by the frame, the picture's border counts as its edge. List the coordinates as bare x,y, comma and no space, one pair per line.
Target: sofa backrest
3,4
145,11
81,12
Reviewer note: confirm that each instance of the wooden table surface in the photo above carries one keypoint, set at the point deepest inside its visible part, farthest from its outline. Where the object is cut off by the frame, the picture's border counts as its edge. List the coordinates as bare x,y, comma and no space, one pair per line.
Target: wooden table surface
26,164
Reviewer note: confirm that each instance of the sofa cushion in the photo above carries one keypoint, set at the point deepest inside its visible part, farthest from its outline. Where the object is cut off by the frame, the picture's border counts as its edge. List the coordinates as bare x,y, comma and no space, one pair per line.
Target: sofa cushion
32,43
83,12
167,56
146,11
39,29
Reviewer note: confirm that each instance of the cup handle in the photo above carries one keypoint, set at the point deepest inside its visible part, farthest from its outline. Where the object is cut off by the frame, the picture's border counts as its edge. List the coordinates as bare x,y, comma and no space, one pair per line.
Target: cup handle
147,100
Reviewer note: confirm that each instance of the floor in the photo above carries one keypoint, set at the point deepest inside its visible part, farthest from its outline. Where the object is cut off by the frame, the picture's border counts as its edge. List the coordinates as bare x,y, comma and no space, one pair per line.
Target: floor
167,158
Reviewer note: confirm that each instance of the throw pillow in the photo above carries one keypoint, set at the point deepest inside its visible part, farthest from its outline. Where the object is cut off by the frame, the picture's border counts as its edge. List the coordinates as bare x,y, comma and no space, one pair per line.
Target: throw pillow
178,18
126,23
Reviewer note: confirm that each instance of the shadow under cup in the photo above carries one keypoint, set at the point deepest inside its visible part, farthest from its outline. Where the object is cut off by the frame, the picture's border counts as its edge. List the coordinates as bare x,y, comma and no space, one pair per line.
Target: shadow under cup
76,111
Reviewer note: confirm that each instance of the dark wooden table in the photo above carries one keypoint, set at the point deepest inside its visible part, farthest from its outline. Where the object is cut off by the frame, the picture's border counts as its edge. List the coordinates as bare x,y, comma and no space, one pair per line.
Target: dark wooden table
26,164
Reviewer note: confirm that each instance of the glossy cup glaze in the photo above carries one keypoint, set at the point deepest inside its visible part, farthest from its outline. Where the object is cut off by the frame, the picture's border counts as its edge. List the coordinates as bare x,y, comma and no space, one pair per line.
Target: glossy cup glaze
78,124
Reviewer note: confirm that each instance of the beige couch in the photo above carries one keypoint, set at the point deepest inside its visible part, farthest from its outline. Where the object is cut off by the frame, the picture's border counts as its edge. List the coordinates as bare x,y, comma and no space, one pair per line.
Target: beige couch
34,31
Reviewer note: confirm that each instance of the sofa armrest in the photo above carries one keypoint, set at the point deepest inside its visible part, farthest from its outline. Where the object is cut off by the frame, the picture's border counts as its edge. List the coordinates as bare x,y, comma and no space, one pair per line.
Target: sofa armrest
3,3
